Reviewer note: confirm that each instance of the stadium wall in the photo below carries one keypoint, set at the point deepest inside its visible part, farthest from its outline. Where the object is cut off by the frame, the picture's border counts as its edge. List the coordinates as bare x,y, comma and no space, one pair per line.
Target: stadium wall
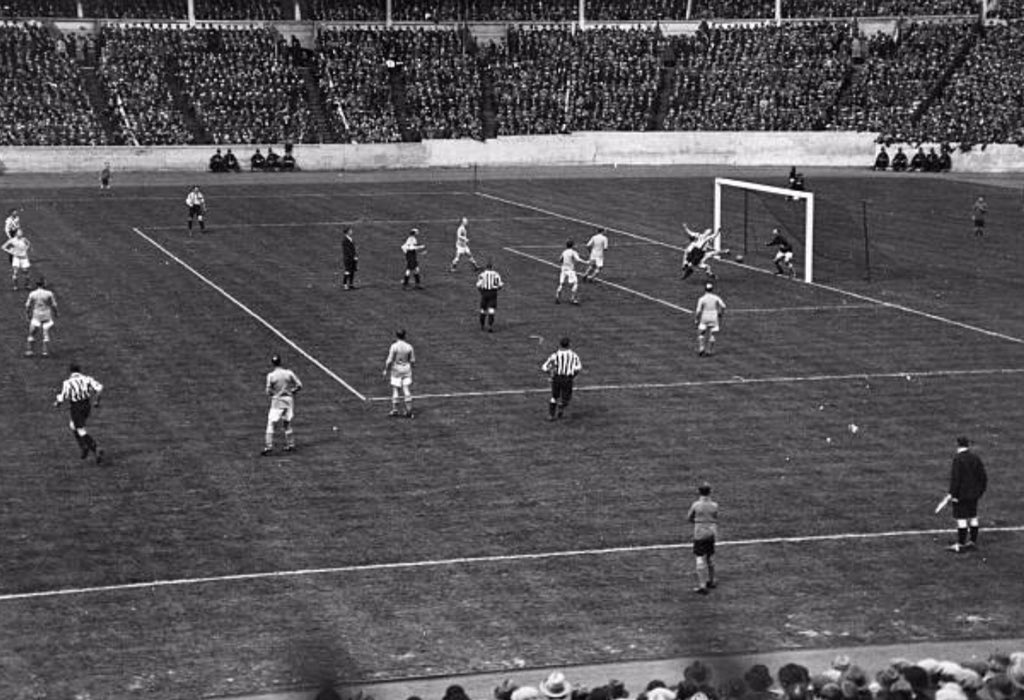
804,149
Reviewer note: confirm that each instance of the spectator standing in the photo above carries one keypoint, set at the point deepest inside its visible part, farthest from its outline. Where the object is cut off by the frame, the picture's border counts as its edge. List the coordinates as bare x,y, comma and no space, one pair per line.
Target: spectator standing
282,385
82,392
978,212
562,366
349,260
488,282
967,483
703,514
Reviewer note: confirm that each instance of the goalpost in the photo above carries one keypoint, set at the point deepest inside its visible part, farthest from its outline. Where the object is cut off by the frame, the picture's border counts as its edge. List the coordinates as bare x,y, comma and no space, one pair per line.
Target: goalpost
806,198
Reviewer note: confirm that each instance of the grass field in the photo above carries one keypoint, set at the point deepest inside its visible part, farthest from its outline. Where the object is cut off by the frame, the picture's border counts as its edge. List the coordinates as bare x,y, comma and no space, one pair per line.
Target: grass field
479,536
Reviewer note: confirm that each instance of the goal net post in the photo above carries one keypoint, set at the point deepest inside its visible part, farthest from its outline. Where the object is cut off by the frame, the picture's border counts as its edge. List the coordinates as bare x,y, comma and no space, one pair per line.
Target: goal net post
799,227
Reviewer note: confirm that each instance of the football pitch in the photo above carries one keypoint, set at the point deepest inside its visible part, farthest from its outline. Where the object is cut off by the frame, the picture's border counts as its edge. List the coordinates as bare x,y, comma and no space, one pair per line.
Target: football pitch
479,536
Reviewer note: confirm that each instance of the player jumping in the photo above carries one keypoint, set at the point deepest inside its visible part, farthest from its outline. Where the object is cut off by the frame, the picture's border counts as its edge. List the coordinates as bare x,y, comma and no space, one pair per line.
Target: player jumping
783,254
700,251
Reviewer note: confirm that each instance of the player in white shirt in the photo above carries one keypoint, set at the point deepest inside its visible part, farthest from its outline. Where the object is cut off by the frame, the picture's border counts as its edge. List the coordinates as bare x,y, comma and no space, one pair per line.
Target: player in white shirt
41,308
567,276
18,248
709,312
398,369
597,244
282,385
462,247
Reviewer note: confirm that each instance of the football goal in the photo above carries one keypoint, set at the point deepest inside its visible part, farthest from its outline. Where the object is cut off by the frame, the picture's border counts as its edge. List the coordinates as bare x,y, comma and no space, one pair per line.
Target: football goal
750,210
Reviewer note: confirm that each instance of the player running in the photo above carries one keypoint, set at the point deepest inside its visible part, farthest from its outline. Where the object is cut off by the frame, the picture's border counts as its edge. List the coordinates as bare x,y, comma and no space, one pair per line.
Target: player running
567,276
597,244
783,254
41,308
462,247
700,251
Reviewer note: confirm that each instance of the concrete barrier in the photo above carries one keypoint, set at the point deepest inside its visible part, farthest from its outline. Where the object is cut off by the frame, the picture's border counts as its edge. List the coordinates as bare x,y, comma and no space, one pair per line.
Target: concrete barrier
782,149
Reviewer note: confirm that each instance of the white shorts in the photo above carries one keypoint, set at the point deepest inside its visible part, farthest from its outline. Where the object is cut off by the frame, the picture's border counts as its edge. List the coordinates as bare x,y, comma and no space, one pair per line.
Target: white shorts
20,263
784,257
568,277
462,250
280,410
597,261
401,377
711,326
45,324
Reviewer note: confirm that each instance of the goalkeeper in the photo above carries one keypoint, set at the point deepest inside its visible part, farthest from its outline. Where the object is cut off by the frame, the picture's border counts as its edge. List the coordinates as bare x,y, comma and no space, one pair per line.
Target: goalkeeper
196,203
783,254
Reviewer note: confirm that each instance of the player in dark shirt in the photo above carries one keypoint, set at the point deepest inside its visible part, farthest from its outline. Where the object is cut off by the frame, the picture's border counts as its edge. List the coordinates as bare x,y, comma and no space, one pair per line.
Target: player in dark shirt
783,255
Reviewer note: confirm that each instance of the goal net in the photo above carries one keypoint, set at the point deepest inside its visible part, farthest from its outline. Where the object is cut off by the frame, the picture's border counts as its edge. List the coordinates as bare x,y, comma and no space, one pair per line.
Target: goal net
748,212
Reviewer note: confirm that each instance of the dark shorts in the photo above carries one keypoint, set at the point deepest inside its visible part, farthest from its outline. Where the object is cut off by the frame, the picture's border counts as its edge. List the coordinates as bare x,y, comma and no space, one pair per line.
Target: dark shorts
704,548
965,509
488,299
80,413
411,263
195,211
350,266
561,389
979,223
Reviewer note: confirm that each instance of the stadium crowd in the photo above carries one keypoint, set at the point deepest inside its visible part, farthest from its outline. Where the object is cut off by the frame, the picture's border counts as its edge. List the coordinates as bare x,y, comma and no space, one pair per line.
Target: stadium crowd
1000,677
42,98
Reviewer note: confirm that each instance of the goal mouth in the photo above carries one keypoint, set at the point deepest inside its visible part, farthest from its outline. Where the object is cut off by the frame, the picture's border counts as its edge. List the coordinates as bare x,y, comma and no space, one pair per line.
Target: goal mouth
748,213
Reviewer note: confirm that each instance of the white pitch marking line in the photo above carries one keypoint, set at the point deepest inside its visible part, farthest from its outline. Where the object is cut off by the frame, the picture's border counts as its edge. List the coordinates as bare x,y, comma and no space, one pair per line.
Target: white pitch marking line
784,309
266,324
353,222
469,561
735,380
828,288
627,290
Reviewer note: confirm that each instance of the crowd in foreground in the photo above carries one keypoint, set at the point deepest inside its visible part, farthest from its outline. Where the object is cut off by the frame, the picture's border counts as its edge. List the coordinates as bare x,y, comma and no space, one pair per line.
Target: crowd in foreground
1000,677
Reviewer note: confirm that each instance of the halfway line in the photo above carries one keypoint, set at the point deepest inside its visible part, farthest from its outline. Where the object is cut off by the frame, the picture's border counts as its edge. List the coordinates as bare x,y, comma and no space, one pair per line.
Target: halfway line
829,288
227,295
737,380
464,561
627,290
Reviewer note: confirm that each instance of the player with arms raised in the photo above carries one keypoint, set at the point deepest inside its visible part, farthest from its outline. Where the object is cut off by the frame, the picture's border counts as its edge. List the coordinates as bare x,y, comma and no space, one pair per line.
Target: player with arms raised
700,250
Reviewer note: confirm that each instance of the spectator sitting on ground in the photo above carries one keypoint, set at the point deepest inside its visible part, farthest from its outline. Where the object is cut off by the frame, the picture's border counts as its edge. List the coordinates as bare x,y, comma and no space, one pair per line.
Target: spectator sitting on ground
918,162
881,160
257,162
287,161
899,161
273,160
931,161
945,160
231,163
217,163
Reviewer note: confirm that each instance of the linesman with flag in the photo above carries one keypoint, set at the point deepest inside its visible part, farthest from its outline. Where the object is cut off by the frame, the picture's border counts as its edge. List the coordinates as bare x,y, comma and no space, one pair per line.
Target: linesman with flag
488,282
562,366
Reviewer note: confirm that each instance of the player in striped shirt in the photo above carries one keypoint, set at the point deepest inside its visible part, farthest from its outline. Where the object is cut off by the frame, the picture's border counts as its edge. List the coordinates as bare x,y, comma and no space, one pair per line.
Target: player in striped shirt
412,248
18,248
196,203
562,366
699,251
12,224
703,514
567,275
81,392
709,312
462,246
488,282
398,368
41,307
597,244
282,386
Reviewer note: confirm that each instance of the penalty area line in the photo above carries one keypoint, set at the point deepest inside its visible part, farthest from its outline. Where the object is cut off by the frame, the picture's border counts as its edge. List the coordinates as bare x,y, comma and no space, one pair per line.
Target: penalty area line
262,321
473,561
732,381
613,285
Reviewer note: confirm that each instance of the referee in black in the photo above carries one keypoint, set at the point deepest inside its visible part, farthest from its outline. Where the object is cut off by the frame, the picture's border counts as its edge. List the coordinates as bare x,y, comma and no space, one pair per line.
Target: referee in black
967,484
562,367
489,282
81,392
